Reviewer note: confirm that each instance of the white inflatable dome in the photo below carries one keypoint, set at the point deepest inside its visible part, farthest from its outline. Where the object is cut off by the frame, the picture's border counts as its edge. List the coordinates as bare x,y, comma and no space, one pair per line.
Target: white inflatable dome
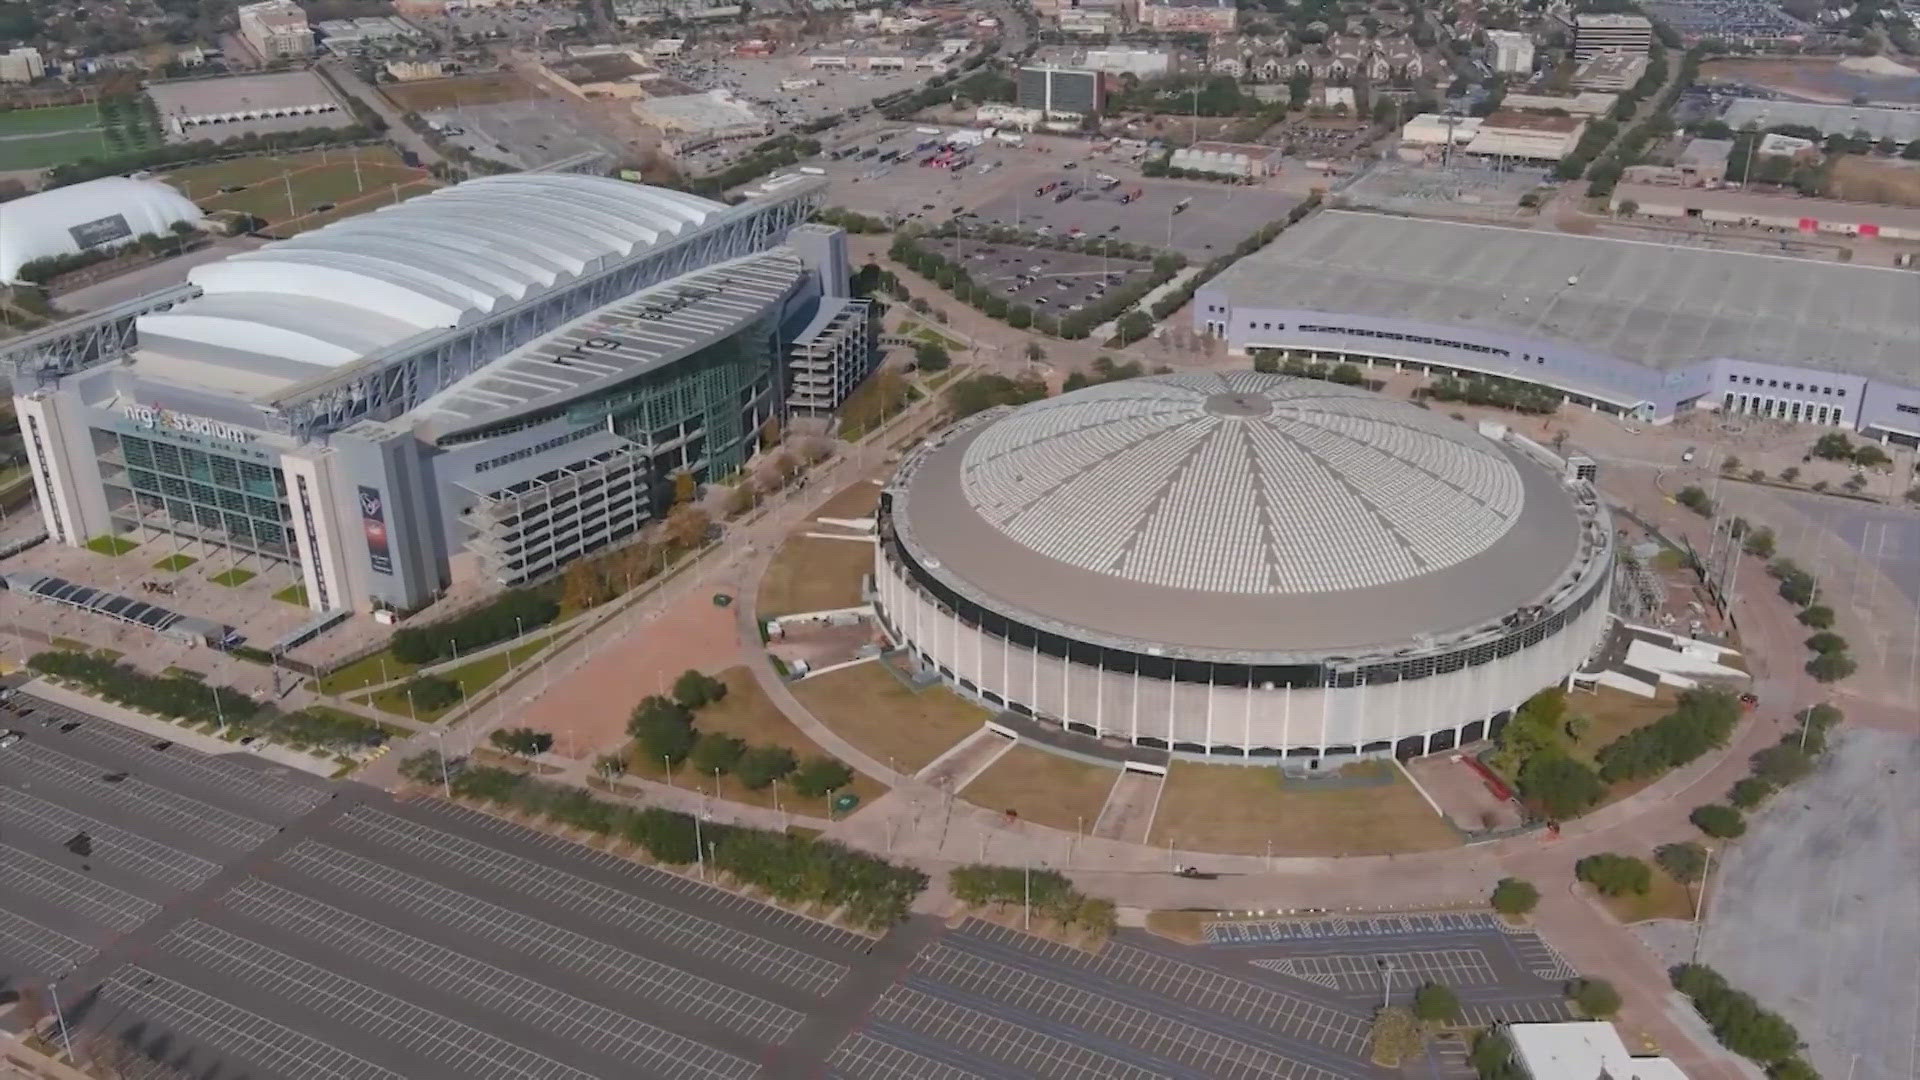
98,213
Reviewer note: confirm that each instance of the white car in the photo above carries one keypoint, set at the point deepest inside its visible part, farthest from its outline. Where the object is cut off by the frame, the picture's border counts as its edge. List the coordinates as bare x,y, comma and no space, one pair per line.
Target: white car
9,738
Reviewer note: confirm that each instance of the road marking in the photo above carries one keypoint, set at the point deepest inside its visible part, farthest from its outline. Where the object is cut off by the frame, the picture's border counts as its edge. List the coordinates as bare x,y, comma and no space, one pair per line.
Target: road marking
233,1030
40,950
78,893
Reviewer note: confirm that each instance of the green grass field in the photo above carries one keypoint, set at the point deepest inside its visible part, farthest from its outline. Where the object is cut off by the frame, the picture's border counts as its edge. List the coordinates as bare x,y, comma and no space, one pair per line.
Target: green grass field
40,138
284,189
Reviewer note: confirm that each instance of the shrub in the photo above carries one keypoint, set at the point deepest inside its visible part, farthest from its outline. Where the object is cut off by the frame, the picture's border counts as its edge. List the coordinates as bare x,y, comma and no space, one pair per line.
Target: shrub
513,611
523,741
1826,642
1435,1003
1615,875
1748,792
431,692
1684,861
1797,588
1051,894
172,696
1695,500
1513,896
1596,997
1492,1057
1720,822
1395,1037
1819,617
1782,765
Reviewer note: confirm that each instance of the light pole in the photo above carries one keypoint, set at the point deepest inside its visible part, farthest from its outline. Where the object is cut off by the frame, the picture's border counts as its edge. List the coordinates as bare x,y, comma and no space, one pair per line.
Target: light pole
1386,981
446,781
1026,913
1700,906
699,846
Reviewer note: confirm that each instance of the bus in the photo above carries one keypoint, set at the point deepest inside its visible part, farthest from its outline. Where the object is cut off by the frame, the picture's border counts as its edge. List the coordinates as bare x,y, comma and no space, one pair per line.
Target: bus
1181,206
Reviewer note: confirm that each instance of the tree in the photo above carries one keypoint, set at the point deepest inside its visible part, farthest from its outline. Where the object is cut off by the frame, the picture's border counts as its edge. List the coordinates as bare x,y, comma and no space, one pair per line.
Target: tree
1868,455
1513,896
1833,446
716,753
1347,375
762,765
1759,543
1562,787
522,741
1826,642
1615,875
687,526
1748,792
1730,464
1831,667
1719,822
1798,588
1133,326
1394,1038
1684,861
821,776
932,356
1492,1057
1035,354
1819,616
1596,997
1790,473
1694,499
696,690
685,487
663,728
1436,1004
583,586
431,693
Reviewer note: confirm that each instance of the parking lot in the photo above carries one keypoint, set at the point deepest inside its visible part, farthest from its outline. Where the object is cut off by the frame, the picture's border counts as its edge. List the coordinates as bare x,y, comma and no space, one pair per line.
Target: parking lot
238,919
527,134
1041,277
1216,216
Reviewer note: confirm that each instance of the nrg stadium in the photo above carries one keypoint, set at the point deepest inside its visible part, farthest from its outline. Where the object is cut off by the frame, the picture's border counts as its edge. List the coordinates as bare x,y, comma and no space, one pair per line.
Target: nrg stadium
481,383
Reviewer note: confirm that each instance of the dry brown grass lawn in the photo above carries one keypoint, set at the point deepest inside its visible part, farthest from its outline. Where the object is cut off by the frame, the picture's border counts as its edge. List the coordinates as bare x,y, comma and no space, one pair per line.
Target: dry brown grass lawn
1238,809
811,574
1044,788
871,709
857,500
1189,927
1859,179
747,714
430,94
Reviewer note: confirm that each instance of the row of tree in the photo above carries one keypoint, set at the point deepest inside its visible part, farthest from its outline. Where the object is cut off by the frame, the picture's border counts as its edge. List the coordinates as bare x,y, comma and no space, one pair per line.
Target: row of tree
1790,760
505,616
663,730
1533,748
1047,892
192,701
1495,391
870,893
775,153
1174,300
1835,446
1742,1025
978,393
1270,361
174,155
1700,721
48,268
1831,660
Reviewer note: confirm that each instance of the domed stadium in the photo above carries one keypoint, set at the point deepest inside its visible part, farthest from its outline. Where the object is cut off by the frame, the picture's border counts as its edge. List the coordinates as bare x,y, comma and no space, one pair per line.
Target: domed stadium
1244,565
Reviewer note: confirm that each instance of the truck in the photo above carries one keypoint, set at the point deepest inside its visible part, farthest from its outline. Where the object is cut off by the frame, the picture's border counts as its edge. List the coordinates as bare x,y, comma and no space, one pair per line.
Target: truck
1107,183
1181,206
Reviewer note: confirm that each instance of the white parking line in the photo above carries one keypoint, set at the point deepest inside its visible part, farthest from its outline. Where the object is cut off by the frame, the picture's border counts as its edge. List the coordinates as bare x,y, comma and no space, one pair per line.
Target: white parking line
867,1058
185,1011
38,949
460,1047
110,845
1038,1053
141,798
75,891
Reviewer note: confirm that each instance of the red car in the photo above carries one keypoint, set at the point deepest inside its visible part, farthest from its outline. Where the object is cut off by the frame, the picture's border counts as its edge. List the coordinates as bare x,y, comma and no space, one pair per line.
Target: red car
1749,701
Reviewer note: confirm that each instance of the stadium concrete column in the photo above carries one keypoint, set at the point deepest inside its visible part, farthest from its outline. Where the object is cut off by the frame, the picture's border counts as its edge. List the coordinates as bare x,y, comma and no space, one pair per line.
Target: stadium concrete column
399,559
318,531
66,472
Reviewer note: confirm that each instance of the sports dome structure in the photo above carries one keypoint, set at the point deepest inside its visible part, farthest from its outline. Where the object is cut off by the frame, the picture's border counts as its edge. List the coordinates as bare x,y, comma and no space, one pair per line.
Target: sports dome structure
1243,564
107,212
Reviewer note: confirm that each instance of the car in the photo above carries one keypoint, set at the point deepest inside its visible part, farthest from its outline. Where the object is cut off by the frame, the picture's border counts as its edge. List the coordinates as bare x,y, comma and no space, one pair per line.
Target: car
8,738
1071,165
1040,300
1688,455
1749,700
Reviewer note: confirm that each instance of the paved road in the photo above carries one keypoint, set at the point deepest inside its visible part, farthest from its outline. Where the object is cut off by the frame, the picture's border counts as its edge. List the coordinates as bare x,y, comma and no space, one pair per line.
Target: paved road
397,130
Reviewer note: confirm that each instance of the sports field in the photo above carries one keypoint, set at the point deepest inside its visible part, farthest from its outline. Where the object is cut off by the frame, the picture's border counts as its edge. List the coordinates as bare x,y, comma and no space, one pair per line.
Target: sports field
297,192
42,138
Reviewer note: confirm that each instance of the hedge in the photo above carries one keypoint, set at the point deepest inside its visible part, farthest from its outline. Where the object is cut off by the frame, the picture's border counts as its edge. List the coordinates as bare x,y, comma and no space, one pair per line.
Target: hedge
871,892
507,615
1738,1021
1049,891
1700,721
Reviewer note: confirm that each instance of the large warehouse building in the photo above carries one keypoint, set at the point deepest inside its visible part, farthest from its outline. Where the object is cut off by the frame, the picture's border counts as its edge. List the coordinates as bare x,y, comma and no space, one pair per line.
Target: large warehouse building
1243,565
477,384
1639,329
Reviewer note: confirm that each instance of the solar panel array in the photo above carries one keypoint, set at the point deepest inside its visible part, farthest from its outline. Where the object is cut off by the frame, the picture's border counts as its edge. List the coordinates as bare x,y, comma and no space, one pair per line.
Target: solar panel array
1241,482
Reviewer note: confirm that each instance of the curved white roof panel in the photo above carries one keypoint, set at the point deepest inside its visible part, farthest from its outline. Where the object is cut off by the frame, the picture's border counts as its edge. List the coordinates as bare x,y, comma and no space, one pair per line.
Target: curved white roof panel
98,213
434,262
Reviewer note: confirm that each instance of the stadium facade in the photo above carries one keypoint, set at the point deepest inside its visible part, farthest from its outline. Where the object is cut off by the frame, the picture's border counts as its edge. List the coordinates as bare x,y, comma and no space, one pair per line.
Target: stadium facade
479,383
1643,330
1243,565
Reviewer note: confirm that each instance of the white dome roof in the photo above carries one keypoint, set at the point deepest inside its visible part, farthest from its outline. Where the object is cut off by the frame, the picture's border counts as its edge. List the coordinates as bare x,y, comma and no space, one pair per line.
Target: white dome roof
38,226
1241,483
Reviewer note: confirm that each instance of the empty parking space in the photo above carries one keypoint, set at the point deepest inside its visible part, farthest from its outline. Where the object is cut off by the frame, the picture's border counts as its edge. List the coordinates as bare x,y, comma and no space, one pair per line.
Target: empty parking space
863,1057
1157,1030
1210,224
573,1020
25,874
102,842
1514,1012
213,774
26,947
1352,972
614,967
147,1001
49,769
1058,281
1035,1053
618,907
1262,931
458,1046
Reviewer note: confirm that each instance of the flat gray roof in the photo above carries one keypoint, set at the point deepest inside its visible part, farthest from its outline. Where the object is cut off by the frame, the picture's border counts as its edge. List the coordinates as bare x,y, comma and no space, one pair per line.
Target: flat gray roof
1659,305
1900,125
1211,613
